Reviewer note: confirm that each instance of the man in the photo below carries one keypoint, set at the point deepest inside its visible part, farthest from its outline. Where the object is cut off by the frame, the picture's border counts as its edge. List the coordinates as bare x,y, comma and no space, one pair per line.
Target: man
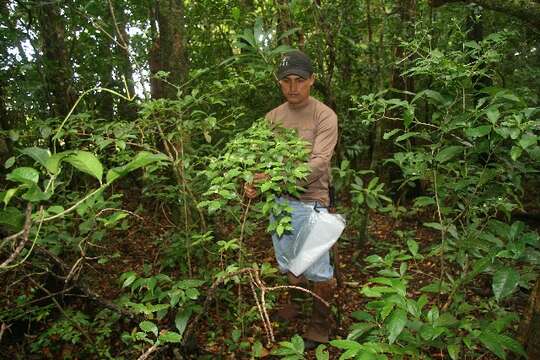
317,124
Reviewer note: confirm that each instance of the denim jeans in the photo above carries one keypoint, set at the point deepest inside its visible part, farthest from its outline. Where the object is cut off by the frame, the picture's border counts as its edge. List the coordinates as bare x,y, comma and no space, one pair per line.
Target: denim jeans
321,270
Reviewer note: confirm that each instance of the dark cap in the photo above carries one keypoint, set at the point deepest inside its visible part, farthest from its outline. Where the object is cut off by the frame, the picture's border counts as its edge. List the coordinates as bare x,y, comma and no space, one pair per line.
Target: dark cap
295,63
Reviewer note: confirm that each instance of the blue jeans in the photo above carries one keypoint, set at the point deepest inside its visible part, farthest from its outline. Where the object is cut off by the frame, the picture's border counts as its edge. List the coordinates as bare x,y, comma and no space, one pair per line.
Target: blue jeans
321,270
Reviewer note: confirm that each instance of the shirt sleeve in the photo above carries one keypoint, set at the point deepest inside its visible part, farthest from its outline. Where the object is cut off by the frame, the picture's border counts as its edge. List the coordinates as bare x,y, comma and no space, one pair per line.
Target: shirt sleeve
323,147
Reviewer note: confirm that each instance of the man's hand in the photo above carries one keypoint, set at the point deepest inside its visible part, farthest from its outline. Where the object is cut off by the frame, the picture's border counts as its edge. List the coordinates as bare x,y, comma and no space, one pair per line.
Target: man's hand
249,190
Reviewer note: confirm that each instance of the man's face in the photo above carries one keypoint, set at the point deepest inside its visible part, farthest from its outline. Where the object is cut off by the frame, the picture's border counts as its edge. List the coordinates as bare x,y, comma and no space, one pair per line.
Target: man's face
296,89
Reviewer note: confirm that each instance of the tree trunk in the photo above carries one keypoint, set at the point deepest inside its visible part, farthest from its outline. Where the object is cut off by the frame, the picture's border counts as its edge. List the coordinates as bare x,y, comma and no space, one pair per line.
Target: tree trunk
526,10
126,110
104,100
56,62
529,329
382,149
284,21
168,52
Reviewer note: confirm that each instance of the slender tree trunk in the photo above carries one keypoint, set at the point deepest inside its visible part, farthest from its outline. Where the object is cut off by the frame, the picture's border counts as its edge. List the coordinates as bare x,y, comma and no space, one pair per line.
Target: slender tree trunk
382,149
529,329
126,110
5,144
105,102
168,52
370,45
284,21
155,56
56,62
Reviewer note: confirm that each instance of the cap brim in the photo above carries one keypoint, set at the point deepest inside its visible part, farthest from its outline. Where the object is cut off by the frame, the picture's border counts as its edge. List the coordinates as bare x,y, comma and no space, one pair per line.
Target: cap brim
299,72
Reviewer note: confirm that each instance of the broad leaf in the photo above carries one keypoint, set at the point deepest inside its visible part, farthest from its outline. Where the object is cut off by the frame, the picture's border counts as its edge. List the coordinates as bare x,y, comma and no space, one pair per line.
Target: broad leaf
148,326
448,153
181,320
504,282
453,351
12,217
86,162
144,158
396,324
38,154
479,131
170,337
24,175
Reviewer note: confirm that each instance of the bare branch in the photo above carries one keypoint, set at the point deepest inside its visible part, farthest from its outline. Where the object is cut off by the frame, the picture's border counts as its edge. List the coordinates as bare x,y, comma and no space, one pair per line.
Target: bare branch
148,352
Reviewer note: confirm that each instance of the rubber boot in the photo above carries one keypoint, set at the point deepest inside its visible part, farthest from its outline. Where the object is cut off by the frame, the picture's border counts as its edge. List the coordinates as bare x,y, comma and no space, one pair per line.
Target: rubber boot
318,330
289,310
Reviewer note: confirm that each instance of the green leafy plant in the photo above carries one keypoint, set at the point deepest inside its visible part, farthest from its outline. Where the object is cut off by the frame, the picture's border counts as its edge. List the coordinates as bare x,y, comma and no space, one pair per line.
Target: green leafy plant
276,152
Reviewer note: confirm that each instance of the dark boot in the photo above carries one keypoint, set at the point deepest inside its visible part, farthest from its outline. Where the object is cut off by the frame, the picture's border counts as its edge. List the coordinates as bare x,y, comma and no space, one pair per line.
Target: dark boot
318,330
289,310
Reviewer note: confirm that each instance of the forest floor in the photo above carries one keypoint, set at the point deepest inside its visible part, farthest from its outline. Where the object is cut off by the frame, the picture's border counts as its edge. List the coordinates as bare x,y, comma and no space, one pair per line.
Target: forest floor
136,250
213,332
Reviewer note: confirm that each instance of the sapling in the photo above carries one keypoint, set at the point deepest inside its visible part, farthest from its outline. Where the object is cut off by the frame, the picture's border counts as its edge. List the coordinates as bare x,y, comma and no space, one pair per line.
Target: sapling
266,149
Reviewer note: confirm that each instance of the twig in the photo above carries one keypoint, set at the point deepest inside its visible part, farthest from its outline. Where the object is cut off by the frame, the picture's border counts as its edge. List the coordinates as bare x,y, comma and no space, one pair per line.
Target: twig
443,234
148,352
262,312
121,210
261,302
118,32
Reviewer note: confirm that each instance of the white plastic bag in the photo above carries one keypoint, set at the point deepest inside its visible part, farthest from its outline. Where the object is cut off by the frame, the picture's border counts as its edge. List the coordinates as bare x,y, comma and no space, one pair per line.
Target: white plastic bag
316,236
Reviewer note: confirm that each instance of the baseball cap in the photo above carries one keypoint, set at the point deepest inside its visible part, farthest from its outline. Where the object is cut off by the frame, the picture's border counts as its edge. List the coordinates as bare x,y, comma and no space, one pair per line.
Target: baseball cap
295,63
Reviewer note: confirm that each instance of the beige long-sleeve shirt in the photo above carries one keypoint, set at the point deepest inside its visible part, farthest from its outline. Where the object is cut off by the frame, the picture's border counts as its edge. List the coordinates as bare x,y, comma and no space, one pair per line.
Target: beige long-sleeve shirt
317,124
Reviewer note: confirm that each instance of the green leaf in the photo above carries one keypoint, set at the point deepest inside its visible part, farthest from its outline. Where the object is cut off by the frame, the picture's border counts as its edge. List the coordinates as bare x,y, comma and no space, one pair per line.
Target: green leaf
321,353
143,158
505,281
516,152
38,154
53,162
148,326
86,162
448,153
413,247
8,194
266,186
55,209
434,225
24,175
170,337
12,218
396,324
528,140
479,131
9,162
181,320
34,194
389,134
346,344
453,351
493,115
129,278
280,229
492,341
422,201
298,343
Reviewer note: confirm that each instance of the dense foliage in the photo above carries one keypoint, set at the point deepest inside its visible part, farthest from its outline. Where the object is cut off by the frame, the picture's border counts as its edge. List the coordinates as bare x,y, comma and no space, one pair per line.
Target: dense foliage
128,128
